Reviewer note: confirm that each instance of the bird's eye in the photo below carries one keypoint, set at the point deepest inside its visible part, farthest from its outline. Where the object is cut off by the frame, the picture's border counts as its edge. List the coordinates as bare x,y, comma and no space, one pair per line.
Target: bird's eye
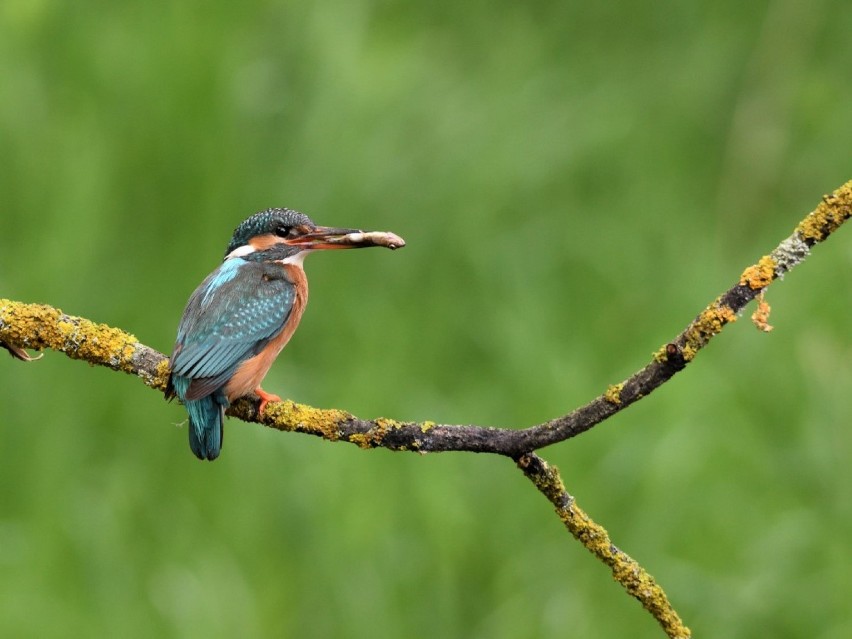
282,231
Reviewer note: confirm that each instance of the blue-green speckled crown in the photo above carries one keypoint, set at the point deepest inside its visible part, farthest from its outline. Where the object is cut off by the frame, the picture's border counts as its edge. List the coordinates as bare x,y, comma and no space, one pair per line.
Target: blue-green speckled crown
268,222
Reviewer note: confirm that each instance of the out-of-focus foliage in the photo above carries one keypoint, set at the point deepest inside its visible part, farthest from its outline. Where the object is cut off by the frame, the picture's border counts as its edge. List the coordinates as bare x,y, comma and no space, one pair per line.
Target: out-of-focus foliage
574,180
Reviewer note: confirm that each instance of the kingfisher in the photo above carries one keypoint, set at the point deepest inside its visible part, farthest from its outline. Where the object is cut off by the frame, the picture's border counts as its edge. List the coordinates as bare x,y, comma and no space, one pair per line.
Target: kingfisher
241,316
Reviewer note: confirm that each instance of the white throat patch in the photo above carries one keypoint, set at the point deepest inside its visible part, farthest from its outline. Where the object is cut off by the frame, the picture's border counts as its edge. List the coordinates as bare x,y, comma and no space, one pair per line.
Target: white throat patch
297,259
240,251
248,249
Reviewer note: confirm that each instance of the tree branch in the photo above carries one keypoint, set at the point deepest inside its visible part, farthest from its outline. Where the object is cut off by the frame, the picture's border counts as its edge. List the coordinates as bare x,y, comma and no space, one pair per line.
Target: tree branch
37,327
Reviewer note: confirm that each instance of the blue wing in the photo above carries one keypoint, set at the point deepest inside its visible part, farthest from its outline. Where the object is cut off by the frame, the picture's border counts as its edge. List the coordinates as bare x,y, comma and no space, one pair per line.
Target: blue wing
229,318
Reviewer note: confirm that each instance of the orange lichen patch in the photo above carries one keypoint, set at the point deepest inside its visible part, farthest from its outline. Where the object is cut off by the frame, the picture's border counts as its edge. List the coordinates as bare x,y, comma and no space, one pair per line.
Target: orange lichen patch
40,326
760,318
613,394
759,275
711,321
833,211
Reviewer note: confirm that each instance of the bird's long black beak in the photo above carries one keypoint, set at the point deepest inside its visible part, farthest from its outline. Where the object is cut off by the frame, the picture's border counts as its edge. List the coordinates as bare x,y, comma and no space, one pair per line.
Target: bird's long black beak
326,237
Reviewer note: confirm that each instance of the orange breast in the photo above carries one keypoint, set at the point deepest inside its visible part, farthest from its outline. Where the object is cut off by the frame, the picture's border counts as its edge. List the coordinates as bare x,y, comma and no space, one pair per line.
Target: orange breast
250,373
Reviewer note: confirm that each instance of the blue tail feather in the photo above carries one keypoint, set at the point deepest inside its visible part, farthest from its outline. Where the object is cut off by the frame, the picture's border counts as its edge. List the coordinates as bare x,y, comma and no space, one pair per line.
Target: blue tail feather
206,419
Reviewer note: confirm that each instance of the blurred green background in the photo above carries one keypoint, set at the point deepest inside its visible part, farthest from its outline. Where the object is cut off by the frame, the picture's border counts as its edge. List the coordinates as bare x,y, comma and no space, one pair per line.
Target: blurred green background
575,182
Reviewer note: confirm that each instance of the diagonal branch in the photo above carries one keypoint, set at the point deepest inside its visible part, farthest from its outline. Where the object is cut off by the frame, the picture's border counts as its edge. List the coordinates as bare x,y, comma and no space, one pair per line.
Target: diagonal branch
37,327
594,537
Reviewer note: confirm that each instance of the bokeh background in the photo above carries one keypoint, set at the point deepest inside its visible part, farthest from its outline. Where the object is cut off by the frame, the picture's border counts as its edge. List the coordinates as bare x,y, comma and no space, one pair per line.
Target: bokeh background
575,182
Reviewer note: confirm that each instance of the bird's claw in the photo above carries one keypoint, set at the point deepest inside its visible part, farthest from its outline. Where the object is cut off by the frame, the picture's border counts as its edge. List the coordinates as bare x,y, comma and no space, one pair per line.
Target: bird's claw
265,398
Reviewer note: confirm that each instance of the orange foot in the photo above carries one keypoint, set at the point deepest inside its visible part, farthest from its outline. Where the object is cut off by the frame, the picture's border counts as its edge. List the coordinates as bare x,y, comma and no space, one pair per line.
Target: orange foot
265,398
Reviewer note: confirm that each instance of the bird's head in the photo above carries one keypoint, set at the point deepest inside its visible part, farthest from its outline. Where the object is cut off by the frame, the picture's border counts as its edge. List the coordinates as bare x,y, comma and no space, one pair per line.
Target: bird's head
285,234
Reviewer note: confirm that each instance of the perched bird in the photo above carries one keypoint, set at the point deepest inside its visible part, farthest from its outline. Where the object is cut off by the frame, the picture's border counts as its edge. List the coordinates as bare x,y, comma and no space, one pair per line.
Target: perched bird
241,316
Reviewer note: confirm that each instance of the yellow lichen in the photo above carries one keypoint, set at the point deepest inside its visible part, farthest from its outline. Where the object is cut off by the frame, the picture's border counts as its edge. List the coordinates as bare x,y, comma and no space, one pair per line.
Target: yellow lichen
661,355
290,416
376,435
759,275
21,324
158,380
709,323
39,326
833,211
363,441
613,394
385,424
426,426
595,538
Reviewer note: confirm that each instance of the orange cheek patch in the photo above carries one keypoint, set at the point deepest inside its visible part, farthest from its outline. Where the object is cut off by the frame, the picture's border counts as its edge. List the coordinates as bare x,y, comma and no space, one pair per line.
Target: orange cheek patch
263,242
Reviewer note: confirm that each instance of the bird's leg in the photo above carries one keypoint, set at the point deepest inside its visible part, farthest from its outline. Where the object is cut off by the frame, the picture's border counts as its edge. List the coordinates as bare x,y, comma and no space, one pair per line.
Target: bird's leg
265,398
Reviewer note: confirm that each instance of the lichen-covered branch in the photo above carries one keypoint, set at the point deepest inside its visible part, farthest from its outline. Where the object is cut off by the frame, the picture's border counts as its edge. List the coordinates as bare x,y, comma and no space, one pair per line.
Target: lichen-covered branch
38,327
594,537
35,326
